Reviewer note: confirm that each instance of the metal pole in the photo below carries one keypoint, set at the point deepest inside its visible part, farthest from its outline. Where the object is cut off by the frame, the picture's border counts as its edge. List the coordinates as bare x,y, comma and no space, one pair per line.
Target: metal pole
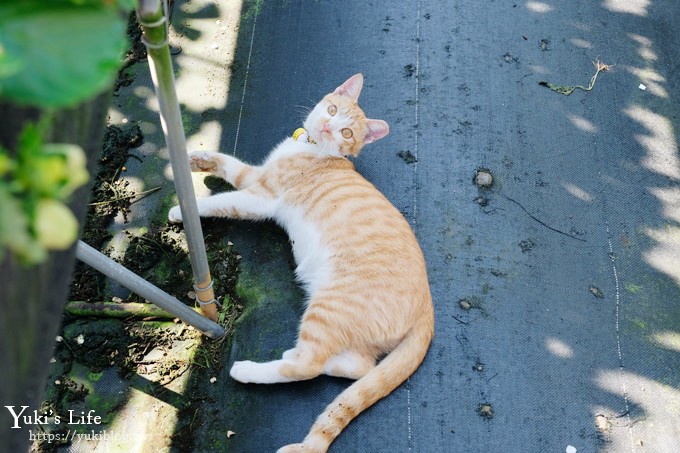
153,19
137,284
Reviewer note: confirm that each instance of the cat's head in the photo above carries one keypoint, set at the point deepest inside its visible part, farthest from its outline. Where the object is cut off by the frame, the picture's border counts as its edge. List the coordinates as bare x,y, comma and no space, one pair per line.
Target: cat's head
339,126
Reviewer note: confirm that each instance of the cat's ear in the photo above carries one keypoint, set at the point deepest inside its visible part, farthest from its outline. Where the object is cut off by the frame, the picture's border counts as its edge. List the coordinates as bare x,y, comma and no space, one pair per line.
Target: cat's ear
351,87
377,129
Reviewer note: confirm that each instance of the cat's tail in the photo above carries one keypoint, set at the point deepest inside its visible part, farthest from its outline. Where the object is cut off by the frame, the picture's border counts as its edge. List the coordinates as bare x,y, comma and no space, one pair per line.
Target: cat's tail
391,372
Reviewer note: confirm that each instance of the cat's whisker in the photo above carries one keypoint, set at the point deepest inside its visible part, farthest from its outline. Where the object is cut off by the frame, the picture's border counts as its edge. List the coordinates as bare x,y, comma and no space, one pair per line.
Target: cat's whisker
304,110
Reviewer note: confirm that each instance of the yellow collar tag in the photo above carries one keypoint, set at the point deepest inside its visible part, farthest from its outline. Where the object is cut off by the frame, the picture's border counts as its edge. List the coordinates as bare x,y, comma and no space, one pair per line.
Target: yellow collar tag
301,135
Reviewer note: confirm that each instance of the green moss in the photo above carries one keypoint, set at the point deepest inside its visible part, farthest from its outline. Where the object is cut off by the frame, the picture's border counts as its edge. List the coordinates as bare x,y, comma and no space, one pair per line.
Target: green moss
164,271
153,325
94,376
104,406
96,397
160,215
633,289
251,10
190,126
251,291
639,323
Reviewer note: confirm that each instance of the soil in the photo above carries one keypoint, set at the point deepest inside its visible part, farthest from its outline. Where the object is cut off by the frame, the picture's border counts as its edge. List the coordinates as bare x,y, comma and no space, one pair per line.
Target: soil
407,156
110,195
135,53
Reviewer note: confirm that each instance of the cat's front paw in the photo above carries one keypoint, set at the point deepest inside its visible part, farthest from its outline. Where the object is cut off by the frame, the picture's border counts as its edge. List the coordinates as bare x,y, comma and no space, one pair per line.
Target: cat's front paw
175,215
204,161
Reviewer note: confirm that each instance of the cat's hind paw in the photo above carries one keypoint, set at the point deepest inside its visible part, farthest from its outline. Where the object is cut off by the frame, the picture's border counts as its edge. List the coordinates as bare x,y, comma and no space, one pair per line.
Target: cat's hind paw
204,161
175,215
244,371
248,372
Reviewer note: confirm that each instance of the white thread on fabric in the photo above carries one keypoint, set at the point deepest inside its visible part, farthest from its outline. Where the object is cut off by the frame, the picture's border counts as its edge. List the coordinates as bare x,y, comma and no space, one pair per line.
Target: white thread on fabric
617,298
245,83
414,216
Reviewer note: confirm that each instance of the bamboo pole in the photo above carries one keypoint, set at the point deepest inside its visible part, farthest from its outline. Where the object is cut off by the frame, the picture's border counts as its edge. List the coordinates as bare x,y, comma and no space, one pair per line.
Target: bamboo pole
138,285
116,310
153,19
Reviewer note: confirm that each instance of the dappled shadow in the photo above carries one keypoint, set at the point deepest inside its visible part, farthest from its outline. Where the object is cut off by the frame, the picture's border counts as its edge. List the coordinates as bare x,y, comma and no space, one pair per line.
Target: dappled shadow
566,329
167,396
563,339
630,124
573,342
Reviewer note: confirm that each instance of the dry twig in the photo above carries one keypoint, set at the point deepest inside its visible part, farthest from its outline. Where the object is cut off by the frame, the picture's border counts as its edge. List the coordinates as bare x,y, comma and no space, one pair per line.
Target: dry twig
568,89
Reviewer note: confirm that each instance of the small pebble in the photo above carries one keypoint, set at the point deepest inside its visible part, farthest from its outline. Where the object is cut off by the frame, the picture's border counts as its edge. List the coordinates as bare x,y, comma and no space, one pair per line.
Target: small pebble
485,410
483,178
464,304
601,423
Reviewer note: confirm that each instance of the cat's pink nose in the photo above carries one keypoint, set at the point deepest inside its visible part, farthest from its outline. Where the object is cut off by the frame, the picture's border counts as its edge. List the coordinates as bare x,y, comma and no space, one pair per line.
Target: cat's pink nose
325,128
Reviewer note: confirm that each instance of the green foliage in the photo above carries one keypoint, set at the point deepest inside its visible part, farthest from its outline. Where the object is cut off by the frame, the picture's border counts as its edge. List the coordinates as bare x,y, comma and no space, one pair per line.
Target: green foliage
53,54
57,53
33,188
14,229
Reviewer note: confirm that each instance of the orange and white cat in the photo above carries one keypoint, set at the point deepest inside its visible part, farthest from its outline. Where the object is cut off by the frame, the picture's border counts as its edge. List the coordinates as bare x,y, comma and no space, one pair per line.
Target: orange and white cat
369,314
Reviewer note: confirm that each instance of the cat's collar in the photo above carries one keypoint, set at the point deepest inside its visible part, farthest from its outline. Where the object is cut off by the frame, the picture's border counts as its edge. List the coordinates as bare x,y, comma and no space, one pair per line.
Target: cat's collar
301,135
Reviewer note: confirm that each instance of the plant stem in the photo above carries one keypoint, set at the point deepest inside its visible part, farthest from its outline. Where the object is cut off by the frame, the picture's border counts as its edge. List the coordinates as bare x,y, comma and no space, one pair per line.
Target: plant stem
127,197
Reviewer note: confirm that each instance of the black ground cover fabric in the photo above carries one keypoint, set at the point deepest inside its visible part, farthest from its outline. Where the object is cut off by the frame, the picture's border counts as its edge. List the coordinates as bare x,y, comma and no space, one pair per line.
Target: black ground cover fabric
567,267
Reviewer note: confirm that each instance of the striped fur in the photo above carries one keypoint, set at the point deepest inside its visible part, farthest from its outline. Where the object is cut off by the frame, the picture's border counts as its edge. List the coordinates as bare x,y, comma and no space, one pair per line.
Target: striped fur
369,315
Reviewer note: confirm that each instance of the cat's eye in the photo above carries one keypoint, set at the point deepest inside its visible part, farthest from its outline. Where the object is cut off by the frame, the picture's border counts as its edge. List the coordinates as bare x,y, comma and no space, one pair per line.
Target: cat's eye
332,110
347,133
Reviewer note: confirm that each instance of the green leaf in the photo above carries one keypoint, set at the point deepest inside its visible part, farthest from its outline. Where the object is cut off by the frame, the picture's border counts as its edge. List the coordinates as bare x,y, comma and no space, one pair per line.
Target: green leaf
56,228
14,232
61,53
6,164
